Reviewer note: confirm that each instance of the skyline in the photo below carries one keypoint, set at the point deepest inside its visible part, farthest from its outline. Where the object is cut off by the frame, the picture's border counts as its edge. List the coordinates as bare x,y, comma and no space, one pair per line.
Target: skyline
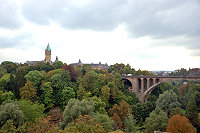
148,35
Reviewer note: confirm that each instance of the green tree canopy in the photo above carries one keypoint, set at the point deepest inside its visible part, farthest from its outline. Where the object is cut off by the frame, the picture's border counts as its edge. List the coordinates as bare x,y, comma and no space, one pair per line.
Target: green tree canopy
35,77
192,112
28,92
75,108
2,71
47,95
31,110
157,121
20,79
4,96
9,66
167,101
10,111
141,111
57,65
130,124
105,121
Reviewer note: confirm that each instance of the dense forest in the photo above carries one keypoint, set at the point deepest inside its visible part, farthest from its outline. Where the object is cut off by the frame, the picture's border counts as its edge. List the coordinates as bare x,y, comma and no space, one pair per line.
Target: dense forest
66,99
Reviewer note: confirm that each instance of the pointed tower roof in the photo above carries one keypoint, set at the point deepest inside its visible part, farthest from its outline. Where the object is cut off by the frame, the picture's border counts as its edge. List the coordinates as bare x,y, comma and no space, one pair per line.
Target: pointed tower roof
48,48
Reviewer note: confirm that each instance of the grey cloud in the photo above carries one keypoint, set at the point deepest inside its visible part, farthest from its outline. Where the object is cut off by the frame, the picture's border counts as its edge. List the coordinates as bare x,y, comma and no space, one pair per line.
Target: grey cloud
9,15
163,20
97,15
16,41
154,18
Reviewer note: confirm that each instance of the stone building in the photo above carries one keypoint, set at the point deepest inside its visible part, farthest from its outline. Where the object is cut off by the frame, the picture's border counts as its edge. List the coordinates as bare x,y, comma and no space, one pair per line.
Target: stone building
47,57
194,72
99,66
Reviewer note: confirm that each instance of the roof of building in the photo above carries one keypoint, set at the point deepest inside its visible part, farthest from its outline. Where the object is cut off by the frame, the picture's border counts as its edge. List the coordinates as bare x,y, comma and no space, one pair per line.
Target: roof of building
48,48
33,62
100,65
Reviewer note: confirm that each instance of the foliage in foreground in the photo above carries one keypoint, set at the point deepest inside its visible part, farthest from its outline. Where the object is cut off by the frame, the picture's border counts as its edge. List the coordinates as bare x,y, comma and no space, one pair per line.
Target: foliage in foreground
167,101
157,121
180,124
11,111
75,108
84,124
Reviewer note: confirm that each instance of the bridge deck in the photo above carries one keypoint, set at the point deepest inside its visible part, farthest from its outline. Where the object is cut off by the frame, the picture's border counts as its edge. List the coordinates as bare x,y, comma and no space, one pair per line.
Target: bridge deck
156,76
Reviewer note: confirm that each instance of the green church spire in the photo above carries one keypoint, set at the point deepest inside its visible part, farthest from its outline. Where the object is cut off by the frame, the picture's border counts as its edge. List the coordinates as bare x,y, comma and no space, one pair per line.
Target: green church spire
48,48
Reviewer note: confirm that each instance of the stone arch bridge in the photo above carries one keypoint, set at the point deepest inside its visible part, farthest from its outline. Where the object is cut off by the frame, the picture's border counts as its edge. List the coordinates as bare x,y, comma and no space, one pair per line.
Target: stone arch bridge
143,85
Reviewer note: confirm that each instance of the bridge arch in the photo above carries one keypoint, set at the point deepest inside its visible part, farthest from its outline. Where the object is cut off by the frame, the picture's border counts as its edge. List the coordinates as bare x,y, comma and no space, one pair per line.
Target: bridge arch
128,83
159,82
148,92
143,85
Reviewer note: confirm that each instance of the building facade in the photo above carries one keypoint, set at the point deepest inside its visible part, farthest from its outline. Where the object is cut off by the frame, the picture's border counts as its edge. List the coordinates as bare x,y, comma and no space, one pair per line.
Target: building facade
99,66
47,57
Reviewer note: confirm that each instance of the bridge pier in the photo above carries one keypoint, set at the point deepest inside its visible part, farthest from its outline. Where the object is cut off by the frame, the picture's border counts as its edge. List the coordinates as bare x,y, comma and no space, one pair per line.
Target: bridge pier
142,85
148,83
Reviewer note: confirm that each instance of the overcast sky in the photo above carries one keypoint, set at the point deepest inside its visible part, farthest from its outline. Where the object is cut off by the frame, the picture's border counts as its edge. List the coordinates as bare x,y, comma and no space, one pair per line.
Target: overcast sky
147,34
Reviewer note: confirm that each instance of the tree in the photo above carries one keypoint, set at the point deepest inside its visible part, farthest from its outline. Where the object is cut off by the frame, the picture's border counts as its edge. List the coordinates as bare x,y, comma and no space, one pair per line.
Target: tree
53,72
67,93
9,127
35,77
42,125
130,124
57,65
175,111
63,88
105,121
42,66
47,95
192,113
82,93
12,84
4,96
56,114
19,79
59,81
88,81
167,101
197,94
10,111
72,72
28,92
9,66
157,121
98,104
85,124
105,94
119,113
4,82
86,68
31,110
75,108
2,71
179,124
141,111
